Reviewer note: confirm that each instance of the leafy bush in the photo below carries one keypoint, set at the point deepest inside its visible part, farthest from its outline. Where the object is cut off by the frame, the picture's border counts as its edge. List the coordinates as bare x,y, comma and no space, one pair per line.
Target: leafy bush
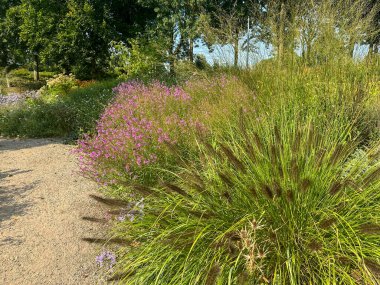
36,118
69,115
139,59
60,84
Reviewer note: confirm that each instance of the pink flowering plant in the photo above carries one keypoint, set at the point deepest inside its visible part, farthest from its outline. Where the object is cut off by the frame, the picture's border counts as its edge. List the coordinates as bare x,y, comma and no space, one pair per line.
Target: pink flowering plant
133,133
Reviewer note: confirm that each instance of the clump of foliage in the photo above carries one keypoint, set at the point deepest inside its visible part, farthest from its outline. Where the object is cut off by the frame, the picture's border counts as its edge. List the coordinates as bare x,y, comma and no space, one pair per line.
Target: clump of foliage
134,134
273,191
65,116
140,59
133,131
60,84
271,202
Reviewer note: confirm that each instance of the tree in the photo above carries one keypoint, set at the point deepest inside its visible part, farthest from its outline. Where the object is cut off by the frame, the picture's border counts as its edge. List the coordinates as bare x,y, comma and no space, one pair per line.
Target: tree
82,38
38,27
228,22
373,7
9,23
179,22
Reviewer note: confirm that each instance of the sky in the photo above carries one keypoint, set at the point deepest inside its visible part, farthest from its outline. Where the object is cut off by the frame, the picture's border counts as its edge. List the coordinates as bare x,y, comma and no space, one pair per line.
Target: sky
224,54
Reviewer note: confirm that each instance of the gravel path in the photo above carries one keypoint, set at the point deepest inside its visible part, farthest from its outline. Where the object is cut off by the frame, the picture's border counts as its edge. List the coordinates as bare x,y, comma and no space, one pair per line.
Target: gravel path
42,201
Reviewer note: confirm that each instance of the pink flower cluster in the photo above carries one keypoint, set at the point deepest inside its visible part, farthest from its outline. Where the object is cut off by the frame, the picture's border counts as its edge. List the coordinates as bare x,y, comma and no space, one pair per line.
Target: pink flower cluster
132,131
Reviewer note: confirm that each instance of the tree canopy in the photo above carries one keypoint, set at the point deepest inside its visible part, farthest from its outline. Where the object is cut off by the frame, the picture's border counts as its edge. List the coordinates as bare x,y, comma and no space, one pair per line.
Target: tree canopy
78,36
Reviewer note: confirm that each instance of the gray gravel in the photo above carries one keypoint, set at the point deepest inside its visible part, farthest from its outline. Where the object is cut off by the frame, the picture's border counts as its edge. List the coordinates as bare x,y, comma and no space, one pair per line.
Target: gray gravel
42,200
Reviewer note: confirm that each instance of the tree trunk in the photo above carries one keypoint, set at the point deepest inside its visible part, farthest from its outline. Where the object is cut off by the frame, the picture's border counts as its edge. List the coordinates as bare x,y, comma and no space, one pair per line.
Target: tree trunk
236,50
36,67
191,50
66,70
281,33
351,50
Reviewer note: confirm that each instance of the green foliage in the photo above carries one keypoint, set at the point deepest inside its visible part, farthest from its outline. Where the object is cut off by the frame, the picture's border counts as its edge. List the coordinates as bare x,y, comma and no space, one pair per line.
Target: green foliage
141,59
59,85
277,192
268,204
65,116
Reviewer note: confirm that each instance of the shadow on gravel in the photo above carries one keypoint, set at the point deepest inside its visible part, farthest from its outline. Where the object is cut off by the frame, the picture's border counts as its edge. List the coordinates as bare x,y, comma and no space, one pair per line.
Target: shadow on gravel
12,172
11,241
10,204
18,144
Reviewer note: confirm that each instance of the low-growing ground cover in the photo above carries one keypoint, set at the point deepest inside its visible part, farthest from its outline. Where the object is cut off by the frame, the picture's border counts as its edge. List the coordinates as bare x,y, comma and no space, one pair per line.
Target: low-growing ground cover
265,176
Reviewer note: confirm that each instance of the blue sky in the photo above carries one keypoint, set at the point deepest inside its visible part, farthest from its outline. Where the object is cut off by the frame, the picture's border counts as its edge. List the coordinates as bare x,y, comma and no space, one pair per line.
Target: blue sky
224,54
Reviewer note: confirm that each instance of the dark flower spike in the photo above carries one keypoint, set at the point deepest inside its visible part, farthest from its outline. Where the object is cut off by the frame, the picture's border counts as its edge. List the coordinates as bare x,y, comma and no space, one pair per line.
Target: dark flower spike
370,229
289,196
104,241
336,155
175,188
305,184
213,275
110,202
280,170
248,147
267,192
144,190
277,189
225,179
228,197
315,246
344,260
253,191
297,141
232,158
320,156
277,134
372,266
95,220
294,169
273,155
335,187
327,223
258,141
372,177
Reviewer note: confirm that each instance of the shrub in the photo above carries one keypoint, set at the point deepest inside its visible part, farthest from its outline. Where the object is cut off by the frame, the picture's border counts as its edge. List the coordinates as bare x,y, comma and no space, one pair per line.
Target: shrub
271,202
57,116
60,85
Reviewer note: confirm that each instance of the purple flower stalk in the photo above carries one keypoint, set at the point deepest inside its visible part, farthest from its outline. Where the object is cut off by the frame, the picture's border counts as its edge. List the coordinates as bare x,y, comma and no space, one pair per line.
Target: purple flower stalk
106,257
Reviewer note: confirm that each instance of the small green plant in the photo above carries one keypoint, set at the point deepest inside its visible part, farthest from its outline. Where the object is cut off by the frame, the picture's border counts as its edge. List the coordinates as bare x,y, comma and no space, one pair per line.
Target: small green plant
60,85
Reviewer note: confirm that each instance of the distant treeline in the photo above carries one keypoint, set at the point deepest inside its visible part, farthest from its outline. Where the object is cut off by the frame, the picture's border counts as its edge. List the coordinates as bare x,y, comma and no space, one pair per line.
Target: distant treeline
84,36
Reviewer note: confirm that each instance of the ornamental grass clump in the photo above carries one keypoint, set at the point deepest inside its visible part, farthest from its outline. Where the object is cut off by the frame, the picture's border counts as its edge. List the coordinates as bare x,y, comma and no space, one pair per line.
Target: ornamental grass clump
283,200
